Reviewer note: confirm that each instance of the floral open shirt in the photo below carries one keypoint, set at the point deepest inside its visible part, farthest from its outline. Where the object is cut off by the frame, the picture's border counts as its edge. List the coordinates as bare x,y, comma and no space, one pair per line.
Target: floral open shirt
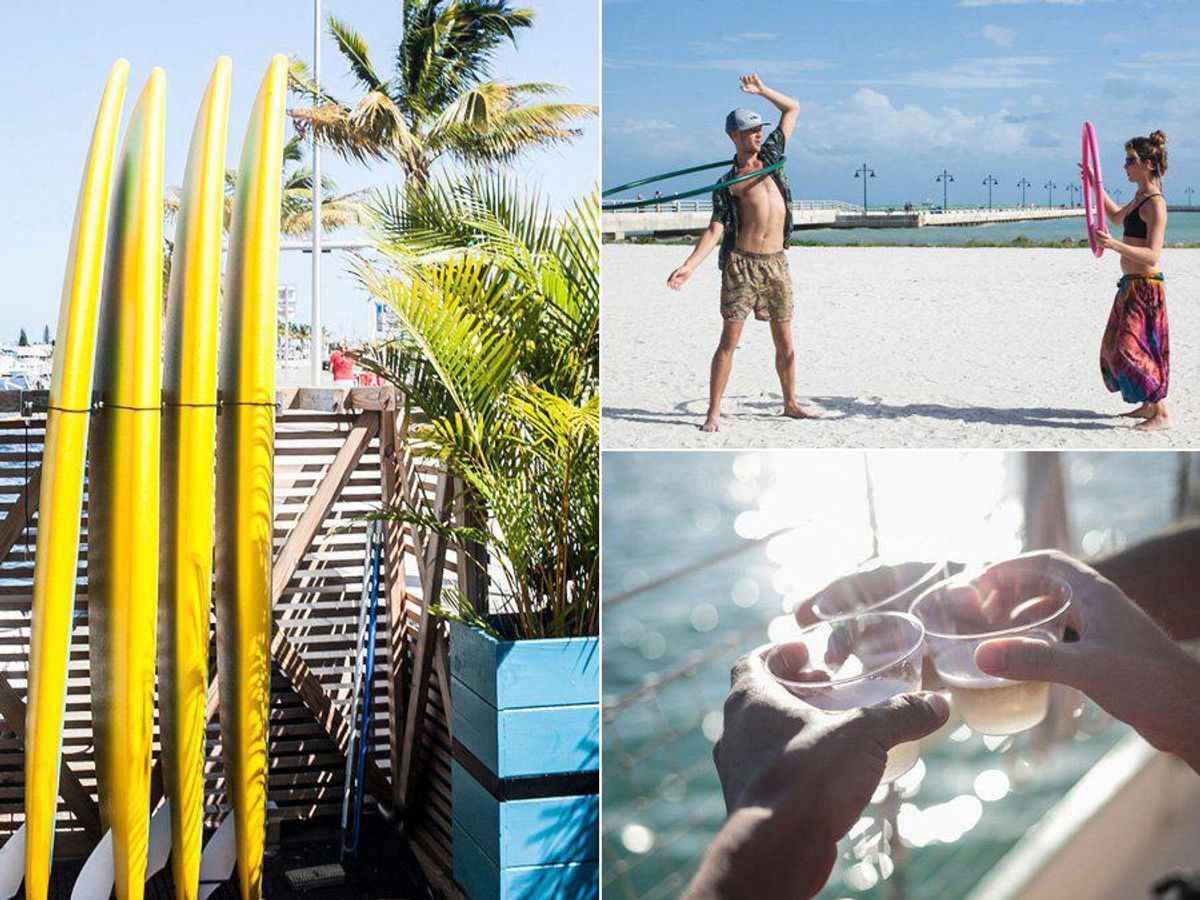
725,211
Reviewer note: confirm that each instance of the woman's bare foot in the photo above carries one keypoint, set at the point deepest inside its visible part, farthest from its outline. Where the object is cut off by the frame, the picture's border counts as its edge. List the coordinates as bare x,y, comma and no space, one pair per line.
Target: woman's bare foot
1145,411
711,422
1158,421
794,410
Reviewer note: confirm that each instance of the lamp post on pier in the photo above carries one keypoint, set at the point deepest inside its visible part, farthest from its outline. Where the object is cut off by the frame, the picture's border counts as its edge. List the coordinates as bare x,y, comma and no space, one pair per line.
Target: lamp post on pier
1023,184
1189,193
1050,186
991,181
1072,190
945,178
865,172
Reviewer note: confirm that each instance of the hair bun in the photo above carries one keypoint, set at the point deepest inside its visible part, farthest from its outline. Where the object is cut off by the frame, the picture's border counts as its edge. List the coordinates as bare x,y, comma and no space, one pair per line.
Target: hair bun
1158,139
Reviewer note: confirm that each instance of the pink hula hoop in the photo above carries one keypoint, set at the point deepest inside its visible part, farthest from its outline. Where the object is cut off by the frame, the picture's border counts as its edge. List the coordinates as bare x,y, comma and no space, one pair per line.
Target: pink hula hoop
1093,192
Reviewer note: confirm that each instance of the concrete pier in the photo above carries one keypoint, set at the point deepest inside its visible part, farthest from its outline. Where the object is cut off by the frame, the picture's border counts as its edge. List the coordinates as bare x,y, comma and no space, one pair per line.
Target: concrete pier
679,219
663,221
923,218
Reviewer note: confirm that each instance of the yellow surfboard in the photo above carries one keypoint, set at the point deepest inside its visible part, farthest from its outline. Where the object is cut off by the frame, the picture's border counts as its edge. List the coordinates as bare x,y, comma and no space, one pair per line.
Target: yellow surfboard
61,496
188,445
123,493
245,457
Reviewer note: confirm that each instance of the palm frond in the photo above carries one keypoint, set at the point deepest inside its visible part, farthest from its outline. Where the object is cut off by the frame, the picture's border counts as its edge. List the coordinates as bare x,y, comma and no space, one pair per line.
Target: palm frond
172,197
448,48
546,263
354,48
293,150
301,81
336,212
332,126
449,361
494,123
378,116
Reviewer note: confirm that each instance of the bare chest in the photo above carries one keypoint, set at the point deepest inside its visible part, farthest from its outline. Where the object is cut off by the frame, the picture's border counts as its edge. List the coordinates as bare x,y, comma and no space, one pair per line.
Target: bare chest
759,196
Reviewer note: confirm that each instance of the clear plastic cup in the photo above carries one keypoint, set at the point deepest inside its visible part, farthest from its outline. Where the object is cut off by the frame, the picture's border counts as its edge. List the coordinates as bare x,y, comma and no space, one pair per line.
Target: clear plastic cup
962,612
877,587
852,662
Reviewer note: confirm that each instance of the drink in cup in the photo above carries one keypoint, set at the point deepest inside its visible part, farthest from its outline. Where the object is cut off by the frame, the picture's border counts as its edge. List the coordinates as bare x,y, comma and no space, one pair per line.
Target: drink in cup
962,612
852,662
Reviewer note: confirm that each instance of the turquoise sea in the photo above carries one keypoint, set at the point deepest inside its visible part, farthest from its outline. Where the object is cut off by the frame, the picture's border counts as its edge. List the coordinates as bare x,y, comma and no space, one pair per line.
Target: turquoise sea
1182,228
668,648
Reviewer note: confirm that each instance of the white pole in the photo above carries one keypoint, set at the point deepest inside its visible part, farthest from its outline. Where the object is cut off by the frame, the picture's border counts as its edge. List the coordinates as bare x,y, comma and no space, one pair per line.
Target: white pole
315,349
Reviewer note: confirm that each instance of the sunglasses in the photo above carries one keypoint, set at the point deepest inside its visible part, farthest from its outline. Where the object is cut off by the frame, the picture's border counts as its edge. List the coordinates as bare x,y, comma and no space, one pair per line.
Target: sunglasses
1131,160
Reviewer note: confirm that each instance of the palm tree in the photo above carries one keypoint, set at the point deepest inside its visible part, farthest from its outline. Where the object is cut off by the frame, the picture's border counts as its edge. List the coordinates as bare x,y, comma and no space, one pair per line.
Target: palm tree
295,208
497,299
441,99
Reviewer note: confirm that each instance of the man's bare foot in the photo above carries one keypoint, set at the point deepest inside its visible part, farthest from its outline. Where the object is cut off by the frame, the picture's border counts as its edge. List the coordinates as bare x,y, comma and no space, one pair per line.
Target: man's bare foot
1160,421
1145,411
794,410
711,422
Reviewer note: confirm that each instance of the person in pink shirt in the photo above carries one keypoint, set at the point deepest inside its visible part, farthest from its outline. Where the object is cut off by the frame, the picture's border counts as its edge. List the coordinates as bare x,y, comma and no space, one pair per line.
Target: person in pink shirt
341,364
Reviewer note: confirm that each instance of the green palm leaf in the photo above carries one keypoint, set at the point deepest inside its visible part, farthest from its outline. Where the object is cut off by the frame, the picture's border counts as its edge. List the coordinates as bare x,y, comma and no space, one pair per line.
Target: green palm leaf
354,48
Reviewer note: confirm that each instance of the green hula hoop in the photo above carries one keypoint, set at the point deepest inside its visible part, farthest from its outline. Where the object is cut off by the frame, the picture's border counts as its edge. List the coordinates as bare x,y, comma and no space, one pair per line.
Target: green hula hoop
670,198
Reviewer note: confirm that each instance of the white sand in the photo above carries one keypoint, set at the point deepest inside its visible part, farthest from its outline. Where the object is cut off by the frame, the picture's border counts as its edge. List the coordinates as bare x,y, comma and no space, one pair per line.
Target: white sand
901,347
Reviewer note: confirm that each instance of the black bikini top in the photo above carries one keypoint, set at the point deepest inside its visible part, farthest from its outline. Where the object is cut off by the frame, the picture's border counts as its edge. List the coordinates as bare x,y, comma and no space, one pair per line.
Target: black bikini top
1133,224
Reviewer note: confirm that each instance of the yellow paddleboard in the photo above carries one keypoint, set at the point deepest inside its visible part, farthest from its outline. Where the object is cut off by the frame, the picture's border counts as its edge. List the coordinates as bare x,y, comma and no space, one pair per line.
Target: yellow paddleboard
123,493
61,495
188,442
245,457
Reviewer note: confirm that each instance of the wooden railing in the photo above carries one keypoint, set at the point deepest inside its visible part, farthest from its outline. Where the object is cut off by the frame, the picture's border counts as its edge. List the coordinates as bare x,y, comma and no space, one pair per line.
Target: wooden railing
339,455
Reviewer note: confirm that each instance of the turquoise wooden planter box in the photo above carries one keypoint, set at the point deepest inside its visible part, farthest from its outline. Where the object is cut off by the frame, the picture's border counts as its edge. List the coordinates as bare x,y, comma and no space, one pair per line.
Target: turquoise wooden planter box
525,720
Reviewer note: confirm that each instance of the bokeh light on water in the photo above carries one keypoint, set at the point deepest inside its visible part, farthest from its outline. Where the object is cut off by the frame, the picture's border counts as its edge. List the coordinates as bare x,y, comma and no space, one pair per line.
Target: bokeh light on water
971,797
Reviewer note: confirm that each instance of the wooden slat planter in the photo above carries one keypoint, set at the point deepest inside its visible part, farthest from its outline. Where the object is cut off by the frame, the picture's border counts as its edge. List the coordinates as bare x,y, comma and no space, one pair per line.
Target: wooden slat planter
526,736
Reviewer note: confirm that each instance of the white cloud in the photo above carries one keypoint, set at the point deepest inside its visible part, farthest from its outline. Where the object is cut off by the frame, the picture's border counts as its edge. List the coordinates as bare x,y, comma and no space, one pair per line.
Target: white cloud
641,126
1001,37
979,73
869,122
1159,60
1019,2
765,66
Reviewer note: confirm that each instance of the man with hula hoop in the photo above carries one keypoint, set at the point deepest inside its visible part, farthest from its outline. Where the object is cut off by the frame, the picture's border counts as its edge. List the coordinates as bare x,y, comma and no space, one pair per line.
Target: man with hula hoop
752,221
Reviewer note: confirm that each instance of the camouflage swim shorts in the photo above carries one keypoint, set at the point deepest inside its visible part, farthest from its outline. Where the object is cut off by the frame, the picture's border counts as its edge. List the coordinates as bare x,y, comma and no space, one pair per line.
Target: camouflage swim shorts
758,282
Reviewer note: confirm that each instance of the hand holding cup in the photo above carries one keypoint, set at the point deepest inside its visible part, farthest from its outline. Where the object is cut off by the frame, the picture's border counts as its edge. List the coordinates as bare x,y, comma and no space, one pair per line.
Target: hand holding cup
1121,659
796,778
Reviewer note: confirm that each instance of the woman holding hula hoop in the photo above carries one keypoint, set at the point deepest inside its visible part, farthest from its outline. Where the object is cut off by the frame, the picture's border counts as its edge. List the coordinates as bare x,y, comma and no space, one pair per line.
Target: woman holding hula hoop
751,221
1135,354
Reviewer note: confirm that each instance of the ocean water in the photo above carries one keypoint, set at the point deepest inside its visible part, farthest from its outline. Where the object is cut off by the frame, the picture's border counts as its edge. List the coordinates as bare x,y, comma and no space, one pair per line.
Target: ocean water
668,649
1182,228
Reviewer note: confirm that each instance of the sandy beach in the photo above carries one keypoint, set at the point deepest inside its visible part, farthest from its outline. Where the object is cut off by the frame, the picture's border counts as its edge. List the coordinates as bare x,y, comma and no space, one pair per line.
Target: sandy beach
898,346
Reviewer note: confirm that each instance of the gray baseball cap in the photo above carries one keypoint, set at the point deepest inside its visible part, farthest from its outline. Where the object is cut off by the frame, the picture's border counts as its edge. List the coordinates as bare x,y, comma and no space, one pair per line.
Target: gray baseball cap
743,119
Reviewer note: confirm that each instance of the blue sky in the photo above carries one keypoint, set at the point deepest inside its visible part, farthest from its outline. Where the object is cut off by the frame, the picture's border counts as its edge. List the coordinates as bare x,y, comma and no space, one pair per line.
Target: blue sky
56,59
907,86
